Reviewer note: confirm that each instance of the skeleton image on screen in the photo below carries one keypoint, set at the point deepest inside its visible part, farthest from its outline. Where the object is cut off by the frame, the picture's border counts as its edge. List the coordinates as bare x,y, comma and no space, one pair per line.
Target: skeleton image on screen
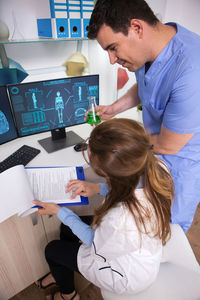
34,101
59,105
4,126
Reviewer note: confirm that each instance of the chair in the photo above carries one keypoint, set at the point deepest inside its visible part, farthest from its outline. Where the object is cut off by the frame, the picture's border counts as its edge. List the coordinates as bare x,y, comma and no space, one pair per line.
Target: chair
178,277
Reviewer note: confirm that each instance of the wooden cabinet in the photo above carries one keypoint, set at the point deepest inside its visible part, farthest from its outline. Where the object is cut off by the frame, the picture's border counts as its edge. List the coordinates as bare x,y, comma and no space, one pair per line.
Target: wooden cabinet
21,254
22,259
22,245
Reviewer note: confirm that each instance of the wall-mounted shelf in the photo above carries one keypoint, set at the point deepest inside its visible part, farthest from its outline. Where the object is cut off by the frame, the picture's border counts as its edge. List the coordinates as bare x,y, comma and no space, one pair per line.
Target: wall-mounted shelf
41,40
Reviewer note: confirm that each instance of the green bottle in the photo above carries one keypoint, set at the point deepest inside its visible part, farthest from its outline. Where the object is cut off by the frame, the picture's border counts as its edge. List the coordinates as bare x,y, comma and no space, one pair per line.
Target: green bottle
92,117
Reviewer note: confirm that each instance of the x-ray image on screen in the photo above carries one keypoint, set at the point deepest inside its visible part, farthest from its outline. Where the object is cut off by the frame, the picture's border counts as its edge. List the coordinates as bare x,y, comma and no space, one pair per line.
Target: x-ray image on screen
7,127
47,105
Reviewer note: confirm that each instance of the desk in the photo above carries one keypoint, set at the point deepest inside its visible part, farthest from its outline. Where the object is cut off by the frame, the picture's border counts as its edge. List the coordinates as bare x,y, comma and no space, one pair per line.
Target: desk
22,244
65,156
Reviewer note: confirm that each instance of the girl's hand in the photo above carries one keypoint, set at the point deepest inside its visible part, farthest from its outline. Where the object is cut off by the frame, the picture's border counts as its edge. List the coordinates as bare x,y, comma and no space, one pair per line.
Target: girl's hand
82,188
47,208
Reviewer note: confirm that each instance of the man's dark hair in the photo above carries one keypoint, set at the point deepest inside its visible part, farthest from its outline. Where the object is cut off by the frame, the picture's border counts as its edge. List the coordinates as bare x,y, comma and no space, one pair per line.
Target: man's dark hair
117,14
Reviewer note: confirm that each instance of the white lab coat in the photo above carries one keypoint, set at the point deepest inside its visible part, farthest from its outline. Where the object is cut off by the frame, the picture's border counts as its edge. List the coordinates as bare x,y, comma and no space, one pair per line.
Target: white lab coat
117,261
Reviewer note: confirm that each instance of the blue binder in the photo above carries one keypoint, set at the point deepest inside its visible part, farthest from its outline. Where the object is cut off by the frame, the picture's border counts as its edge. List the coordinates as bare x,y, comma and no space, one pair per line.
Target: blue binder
86,11
53,28
44,28
58,10
56,25
74,10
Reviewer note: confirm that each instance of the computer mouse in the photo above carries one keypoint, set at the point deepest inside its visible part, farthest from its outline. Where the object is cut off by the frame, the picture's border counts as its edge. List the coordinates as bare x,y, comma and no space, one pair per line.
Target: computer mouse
80,146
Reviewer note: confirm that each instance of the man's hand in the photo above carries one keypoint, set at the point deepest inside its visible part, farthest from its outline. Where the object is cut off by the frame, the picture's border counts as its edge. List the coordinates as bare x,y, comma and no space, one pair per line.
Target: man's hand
47,208
82,188
104,111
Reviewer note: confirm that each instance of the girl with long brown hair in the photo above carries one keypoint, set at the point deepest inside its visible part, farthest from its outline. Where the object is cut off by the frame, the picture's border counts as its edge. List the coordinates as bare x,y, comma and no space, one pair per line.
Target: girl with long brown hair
122,250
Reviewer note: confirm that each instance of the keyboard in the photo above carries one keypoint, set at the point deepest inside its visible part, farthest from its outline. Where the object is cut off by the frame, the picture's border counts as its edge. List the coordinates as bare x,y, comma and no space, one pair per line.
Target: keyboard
21,156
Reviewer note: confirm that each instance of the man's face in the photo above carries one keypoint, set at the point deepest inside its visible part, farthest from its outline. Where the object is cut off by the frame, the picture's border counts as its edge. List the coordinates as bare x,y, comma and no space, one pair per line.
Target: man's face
124,50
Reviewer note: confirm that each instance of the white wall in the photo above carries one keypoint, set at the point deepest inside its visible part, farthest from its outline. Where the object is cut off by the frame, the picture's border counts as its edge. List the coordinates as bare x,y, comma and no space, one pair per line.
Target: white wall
184,12
158,7
20,16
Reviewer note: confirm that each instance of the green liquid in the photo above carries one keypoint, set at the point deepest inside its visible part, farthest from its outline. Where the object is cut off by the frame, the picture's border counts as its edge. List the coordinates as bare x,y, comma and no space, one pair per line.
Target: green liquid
90,119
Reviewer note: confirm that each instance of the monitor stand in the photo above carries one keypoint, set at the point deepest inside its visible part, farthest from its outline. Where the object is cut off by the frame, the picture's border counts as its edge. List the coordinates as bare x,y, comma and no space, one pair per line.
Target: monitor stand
60,139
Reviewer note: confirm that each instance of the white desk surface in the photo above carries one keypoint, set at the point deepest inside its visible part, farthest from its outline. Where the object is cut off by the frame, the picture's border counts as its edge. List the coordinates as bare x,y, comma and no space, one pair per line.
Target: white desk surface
65,157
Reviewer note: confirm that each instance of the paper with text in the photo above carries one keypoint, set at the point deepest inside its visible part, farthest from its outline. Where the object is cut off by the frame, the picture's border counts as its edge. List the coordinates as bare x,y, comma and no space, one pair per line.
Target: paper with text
16,193
19,186
48,184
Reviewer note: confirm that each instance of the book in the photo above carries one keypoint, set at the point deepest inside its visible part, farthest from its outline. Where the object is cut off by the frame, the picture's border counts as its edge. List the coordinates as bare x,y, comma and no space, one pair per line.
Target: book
19,186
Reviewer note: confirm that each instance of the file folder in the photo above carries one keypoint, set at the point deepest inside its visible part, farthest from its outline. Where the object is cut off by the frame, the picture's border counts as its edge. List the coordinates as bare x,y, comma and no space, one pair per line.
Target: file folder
53,28
58,8
53,21
87,7
74,10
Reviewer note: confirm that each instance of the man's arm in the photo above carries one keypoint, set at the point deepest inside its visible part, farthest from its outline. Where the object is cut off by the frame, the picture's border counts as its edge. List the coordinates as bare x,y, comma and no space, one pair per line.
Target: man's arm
130,99
168,142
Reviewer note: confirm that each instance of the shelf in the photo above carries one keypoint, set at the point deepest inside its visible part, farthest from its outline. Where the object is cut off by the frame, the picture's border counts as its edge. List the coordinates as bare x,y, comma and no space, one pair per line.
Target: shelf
43,40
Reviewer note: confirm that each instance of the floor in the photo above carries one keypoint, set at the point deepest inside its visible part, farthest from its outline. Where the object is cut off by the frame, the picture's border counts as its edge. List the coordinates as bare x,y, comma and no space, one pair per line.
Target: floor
91,292
193,234
33,293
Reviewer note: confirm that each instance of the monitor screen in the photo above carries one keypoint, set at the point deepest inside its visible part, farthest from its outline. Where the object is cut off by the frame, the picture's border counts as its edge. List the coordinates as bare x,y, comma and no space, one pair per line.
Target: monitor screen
52,104
7,126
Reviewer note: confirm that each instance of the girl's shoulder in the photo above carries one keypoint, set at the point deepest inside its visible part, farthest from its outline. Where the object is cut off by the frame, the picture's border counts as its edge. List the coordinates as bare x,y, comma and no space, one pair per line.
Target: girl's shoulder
121,217
121,213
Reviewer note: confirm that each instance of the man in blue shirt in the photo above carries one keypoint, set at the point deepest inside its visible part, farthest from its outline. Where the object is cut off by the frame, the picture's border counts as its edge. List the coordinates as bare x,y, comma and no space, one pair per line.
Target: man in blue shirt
166,62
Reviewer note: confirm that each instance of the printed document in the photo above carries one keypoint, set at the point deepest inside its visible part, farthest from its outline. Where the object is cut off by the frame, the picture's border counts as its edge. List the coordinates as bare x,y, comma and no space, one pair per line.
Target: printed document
19,186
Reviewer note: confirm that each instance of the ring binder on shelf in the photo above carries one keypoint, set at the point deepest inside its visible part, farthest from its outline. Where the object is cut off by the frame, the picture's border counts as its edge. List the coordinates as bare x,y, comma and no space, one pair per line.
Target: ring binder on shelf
64,18
52,21
86,11
74,9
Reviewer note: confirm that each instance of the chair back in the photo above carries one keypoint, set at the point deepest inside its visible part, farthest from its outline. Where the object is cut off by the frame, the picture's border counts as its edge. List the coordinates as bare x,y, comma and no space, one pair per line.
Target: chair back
178,277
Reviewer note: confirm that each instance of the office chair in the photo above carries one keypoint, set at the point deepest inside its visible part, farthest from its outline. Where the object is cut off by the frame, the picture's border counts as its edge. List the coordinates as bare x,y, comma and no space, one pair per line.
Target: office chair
178,277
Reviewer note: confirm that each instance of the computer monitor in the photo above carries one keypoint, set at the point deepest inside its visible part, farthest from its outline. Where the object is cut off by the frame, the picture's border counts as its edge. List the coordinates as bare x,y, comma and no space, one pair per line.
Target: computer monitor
53,105
7,126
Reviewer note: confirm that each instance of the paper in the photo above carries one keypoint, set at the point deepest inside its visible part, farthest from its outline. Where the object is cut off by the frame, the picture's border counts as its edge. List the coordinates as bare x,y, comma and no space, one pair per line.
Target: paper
48,184
20,186
16,192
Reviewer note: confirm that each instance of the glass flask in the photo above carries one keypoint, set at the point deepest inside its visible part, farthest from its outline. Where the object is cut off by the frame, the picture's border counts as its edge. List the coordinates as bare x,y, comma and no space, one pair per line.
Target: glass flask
92,117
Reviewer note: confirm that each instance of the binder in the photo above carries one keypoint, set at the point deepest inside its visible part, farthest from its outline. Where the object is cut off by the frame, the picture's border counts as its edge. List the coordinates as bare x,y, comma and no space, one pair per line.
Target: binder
58,8
55,24
74,10
53,28
87,7
66,18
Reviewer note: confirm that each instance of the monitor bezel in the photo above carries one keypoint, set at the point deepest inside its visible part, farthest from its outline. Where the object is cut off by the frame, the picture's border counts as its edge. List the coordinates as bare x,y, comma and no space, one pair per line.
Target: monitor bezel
9,86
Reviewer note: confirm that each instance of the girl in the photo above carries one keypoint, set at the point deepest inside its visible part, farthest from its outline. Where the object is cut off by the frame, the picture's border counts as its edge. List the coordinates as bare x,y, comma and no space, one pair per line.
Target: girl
122,250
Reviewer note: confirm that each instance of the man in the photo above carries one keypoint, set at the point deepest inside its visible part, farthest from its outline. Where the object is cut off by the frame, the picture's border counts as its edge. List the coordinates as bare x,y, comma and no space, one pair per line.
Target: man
166,62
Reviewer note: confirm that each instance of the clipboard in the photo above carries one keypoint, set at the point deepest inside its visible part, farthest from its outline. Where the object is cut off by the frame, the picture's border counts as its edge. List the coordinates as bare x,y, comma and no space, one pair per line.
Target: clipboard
79,171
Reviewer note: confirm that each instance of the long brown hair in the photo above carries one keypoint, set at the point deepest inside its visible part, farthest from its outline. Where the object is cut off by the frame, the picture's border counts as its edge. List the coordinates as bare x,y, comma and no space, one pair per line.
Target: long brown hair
120,151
